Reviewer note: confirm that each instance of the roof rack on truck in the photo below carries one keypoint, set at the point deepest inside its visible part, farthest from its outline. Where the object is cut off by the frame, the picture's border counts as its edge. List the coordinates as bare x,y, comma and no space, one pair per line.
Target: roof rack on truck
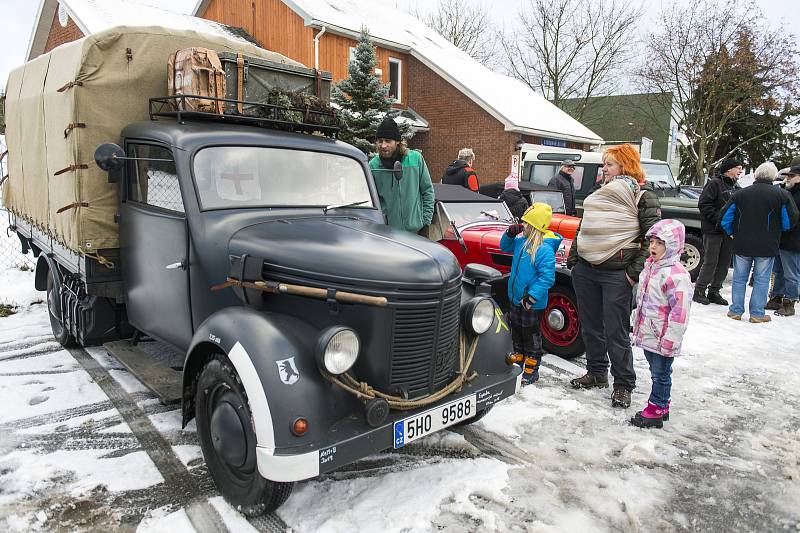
307,119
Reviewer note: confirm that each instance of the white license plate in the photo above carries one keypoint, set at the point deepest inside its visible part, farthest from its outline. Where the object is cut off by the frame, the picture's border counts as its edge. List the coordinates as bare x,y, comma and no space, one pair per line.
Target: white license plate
432,420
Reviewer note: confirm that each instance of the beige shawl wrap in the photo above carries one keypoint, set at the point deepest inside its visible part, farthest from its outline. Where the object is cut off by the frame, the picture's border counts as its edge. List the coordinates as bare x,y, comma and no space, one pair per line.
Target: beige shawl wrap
610,221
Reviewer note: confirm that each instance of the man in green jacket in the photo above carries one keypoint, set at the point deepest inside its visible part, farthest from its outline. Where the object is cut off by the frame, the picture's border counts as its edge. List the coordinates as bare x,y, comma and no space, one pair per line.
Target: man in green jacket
406,195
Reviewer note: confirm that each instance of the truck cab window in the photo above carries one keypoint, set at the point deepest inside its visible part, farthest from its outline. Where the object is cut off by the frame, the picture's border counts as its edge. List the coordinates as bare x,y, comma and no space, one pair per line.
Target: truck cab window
152,181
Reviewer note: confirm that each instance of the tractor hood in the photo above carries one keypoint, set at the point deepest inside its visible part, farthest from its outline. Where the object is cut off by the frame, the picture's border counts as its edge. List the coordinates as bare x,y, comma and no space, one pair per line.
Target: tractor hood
337,249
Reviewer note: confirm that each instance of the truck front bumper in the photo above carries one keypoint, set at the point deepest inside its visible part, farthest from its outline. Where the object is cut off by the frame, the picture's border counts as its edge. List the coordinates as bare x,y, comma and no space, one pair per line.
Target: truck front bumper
352,439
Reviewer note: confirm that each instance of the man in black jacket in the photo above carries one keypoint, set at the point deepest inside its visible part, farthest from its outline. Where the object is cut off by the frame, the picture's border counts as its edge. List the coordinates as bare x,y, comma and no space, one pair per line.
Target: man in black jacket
786,290
563,182
756,216
460,171
718,246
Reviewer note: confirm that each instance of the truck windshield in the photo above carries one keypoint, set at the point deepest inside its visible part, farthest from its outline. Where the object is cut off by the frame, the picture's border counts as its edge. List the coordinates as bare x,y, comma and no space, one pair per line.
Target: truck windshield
229,177
660,174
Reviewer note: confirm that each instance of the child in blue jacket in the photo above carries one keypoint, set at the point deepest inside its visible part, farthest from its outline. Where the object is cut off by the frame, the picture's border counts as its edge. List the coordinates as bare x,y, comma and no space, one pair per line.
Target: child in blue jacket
533,272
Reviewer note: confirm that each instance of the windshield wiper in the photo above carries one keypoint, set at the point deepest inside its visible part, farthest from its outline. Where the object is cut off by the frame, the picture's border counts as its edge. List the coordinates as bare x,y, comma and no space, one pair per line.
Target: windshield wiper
490,215
340,206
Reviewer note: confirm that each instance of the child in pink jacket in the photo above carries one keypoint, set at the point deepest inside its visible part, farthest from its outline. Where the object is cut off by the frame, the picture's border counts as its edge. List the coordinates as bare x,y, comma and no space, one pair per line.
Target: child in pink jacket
662,314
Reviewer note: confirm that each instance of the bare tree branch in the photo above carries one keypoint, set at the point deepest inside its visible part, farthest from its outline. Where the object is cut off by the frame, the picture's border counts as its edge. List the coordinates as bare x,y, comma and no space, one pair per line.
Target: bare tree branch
567,49
467,25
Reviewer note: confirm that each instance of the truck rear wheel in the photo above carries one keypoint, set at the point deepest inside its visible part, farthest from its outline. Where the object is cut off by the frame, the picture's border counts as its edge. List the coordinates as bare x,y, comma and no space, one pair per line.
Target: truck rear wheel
60,332
228,441
692,257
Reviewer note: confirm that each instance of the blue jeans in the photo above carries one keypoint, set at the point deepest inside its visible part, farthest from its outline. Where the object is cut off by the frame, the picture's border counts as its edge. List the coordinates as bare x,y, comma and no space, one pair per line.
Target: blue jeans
762,268
661,372
787,275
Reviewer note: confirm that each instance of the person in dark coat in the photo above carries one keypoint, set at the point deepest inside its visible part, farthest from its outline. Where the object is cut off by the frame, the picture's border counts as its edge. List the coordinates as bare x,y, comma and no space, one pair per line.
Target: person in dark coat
756,216
513,198
718,247
786,289
460,171
606,258
563,182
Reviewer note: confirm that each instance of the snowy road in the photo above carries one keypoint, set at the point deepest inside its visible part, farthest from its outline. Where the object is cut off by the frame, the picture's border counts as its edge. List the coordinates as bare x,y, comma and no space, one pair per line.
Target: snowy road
84,446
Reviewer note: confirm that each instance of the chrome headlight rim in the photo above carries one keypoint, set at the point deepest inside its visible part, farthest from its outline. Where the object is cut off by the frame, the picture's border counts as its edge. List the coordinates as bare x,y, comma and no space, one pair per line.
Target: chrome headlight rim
479,314
326,359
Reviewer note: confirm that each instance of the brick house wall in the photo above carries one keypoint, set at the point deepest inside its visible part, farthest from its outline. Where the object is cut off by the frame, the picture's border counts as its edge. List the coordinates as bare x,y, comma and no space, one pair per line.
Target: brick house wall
457,122
59,34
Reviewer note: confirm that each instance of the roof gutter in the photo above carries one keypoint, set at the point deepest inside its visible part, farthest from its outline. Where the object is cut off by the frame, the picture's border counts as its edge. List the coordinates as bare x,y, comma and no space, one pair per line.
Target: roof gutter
316,47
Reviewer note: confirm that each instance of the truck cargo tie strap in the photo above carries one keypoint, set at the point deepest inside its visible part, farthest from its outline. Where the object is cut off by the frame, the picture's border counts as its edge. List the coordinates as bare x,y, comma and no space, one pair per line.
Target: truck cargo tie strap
71,168
72,126
3,179
363,390
99,258
239,82
70,85
74,205
3,155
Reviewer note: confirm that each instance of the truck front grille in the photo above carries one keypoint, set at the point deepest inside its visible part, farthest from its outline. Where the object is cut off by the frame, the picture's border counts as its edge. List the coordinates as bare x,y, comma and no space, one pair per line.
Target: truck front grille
425,343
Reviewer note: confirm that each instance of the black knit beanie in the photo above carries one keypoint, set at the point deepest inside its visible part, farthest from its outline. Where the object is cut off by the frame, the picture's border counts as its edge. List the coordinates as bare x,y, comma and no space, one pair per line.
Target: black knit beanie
729,164
388,129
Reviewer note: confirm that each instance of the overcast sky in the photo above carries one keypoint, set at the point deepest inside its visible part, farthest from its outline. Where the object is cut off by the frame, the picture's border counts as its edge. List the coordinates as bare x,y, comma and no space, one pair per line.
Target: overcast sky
17,19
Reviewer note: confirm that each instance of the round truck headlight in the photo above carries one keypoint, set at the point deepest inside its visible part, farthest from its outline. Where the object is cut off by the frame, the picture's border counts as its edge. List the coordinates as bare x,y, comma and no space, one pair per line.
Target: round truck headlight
337,349
479,314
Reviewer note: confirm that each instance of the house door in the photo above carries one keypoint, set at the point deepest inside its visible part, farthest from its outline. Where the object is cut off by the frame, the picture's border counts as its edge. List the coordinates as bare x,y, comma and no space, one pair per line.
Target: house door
155,247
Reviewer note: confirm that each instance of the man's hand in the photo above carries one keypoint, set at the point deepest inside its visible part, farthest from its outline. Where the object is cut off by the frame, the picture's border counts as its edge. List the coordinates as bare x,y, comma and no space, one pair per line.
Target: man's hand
514,230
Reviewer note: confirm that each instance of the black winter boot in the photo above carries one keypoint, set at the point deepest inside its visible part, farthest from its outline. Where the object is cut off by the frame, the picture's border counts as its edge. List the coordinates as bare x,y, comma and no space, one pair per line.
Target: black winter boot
787,308
700,297
774,303
715,298
621,398
589,381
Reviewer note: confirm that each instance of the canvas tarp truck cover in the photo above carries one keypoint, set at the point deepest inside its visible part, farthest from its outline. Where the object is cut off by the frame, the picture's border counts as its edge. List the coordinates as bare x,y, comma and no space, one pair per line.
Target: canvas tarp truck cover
63,104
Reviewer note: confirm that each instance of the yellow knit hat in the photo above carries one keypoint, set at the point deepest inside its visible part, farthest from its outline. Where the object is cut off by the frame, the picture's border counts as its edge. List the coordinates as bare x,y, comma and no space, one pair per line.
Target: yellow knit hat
539,216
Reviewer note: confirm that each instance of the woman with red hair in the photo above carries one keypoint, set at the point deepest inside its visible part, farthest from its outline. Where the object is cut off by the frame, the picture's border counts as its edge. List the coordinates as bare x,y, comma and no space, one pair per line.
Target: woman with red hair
606,258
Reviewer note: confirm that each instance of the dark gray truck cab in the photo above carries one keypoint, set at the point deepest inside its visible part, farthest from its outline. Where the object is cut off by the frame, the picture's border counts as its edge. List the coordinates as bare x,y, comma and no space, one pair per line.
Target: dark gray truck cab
229,233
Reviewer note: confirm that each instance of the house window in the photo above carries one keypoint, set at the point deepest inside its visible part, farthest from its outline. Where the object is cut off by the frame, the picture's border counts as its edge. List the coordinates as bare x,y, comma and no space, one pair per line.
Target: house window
352,55
395,78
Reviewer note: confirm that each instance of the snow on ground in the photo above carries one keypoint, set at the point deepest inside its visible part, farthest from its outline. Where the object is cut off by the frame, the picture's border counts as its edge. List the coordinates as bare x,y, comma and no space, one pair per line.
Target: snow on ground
728,459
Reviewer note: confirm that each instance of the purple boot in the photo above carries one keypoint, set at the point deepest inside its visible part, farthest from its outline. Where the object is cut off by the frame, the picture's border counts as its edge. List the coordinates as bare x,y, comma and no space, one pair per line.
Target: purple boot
649,417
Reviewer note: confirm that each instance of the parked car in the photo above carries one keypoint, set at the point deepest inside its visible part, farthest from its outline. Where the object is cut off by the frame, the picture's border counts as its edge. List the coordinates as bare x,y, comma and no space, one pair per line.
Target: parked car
540,163
470,225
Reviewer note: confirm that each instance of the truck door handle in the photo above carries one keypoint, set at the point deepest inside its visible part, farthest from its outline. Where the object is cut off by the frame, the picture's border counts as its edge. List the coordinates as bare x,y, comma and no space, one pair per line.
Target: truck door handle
175,266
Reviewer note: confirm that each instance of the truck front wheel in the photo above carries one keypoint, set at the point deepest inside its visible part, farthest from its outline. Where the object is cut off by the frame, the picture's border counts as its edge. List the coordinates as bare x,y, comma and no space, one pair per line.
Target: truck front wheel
60,332
228,441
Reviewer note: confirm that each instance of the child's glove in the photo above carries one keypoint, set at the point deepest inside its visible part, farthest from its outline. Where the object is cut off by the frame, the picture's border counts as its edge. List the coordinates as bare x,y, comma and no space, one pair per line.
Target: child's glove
528,302
514,230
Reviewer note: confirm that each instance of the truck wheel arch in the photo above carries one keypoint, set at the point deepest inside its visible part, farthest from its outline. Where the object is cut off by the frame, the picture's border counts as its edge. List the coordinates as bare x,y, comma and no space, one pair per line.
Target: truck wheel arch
43,267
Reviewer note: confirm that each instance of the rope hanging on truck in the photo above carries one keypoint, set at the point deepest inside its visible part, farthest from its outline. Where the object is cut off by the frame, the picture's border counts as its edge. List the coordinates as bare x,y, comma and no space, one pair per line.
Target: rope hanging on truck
363,391
275,287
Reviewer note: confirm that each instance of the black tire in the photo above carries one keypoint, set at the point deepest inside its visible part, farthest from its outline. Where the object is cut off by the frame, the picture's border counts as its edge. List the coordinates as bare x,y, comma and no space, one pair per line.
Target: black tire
221,403
692,257
475,418
565,341
60,332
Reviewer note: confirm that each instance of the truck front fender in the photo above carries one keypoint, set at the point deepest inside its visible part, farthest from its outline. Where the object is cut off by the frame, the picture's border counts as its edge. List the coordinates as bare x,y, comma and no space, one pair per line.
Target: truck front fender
273,355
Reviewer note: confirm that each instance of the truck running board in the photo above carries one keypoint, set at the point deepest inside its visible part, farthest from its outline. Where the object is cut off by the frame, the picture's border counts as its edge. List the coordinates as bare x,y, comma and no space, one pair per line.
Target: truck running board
155,375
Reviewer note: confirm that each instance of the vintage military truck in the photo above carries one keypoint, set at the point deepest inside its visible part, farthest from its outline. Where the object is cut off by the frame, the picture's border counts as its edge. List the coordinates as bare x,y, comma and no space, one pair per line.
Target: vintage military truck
314,334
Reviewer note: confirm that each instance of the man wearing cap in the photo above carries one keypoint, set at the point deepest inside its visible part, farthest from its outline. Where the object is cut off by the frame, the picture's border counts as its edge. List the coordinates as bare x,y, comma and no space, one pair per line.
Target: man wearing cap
402,179
563,182
718,247
786,289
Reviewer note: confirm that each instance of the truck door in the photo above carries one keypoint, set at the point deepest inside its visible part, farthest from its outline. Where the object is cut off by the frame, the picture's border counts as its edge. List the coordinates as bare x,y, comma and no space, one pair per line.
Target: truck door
155,246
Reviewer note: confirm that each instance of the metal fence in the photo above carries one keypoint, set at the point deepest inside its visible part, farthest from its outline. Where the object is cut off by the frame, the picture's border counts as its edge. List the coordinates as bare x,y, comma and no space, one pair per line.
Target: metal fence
11,255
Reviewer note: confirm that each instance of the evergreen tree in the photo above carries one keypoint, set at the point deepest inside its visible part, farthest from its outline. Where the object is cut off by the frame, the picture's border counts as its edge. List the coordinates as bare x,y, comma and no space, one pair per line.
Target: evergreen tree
362,98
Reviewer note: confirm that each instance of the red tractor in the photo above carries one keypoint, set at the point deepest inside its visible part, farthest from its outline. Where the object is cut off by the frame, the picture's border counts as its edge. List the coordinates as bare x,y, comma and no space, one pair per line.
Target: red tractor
470,225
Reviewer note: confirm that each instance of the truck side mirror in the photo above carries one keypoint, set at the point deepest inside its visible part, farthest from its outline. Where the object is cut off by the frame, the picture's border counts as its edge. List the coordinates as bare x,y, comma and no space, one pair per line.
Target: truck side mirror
397,170
109,157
